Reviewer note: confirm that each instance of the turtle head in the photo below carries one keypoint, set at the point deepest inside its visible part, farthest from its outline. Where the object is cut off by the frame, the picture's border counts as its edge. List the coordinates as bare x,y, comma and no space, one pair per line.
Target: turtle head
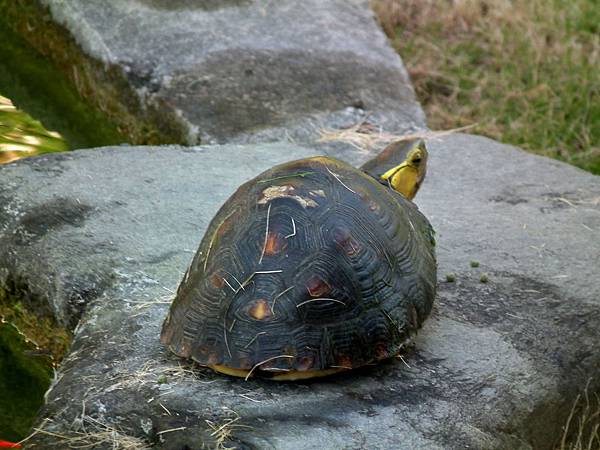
406,178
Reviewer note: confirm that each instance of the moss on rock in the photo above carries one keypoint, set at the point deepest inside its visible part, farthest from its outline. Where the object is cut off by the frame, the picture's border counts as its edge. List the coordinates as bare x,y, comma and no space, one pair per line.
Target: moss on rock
105,89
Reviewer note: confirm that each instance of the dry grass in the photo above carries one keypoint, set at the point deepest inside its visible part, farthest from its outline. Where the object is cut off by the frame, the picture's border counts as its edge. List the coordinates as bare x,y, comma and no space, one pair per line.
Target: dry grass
526,71
363,136
582,430
140,306
153,372
92,434
223,432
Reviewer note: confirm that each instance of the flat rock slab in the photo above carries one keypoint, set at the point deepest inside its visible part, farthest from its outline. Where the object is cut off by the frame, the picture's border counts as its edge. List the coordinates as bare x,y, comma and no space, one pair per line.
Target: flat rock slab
249,70
496,366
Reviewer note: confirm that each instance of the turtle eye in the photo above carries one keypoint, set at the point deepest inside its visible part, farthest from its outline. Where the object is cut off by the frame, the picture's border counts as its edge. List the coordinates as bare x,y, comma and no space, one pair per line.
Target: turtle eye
417,160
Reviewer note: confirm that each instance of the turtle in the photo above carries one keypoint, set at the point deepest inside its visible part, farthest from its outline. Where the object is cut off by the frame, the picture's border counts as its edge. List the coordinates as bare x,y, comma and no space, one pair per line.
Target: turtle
312,268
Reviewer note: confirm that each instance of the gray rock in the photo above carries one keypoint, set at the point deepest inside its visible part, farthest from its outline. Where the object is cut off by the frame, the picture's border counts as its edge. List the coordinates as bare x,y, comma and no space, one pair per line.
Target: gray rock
245,70
496,366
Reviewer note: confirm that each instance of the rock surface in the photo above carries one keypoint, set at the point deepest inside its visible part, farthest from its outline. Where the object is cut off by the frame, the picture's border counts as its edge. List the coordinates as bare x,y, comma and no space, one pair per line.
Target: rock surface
110,232
214,68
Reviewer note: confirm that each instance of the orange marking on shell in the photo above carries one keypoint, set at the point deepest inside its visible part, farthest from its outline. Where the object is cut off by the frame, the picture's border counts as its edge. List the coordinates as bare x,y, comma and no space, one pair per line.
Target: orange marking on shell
277,363
213,358
346,242
373,206
317,287
305,363
274,244
414,316
217,280
225,227
245,363
381,351
260,310
184,350
343,361
364,195
203,350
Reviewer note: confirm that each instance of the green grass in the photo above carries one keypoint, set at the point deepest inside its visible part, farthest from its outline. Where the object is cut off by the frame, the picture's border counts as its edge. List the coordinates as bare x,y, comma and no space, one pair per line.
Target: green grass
26,375
527,72
30,345
49,100
22,136
582,429
53,339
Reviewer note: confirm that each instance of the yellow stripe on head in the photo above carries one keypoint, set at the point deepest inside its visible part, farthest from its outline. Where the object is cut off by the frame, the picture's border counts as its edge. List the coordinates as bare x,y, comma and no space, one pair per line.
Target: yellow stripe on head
407,177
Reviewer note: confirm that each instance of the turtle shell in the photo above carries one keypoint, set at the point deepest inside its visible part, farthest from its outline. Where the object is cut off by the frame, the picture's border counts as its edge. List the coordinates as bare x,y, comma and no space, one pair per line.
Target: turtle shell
313,266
